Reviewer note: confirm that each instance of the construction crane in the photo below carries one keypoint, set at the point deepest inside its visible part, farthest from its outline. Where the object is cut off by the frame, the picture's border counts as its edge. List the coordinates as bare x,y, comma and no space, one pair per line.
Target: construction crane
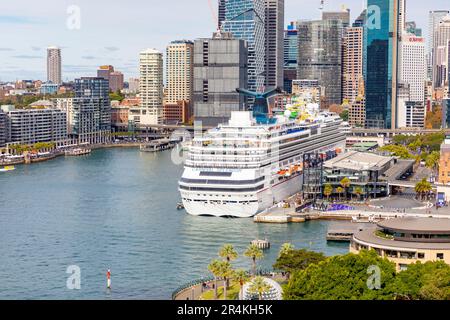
213,13
322,5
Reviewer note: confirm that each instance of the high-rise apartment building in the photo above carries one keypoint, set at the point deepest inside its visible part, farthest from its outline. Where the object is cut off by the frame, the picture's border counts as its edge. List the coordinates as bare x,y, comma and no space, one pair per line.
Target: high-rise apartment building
245,19
440,52
320,56
179,71
290,56
151,87
3,129
220,66
382,55
352,65
91,114
115,78
274,43
54,65
343,15
29,126
434,18
412,65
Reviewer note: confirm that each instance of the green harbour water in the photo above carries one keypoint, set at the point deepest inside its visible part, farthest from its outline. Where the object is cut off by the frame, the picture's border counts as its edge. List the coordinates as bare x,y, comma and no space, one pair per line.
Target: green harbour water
116,209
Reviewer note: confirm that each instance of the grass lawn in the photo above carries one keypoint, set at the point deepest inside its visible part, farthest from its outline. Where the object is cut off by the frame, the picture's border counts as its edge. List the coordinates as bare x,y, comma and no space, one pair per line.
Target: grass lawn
232,293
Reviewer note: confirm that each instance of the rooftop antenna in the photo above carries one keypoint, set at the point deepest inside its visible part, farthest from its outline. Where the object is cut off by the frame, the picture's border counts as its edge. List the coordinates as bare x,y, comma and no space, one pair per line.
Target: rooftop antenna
322,5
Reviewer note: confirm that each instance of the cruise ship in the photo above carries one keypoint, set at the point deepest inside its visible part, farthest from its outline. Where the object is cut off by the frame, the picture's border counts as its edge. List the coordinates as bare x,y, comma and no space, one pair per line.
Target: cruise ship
244,167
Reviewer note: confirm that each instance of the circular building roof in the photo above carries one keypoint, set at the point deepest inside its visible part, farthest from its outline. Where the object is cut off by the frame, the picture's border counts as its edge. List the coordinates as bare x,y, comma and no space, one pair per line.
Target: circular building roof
417,225
275,292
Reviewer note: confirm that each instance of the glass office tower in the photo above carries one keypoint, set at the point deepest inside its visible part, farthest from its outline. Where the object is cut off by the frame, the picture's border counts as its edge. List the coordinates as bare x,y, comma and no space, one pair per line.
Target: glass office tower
245,20
382,29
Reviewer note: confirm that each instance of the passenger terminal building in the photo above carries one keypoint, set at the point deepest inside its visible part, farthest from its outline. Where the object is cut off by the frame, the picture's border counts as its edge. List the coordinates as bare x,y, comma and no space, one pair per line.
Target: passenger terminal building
407,240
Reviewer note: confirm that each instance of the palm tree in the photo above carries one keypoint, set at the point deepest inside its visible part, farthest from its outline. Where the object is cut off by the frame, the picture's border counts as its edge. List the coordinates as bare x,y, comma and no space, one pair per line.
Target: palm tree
228,253
254,253
345,183
328,191
358,191
242,277
259,286
225,272
423,187
339,191
214,267
286,248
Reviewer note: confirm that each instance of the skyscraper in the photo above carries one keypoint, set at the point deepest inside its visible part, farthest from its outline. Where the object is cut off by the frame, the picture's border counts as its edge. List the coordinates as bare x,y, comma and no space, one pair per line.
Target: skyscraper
221,13
220,66
151,86
91,115
440,52
434,17
245,19
105,71
290,56
54,65
352,66
274,42
413,69
179,71
382,46
320,56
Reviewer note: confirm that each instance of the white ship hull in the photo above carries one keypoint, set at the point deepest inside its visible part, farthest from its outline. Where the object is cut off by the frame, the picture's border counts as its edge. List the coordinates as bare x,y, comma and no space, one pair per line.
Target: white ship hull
265,199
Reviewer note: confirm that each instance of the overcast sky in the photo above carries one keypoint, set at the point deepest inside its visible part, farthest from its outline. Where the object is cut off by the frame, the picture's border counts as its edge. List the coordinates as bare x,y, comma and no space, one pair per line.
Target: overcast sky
113,32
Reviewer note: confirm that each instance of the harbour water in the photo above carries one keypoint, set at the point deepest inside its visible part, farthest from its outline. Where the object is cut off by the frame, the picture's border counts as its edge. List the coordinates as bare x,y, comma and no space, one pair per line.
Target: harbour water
116,209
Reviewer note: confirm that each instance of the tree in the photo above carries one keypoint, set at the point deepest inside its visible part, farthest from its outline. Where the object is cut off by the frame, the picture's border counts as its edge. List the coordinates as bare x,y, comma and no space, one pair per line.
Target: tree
259,286
339,191
432,160
285,249
428,281
215,268
254,253
225,272
328,190
345,183
423,188
358,191
242,277
343,277
296,260
398,151
344,115
228,253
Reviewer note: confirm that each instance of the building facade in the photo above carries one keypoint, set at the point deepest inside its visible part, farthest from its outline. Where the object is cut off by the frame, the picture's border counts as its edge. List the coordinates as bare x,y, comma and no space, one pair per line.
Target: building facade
290,56
274,43
405,241
245,19
179,71
320,56
91,113
220,67
413,65
151,87
382,46
434,18
30,126
357,113
54,65
352,66
440,52
4,130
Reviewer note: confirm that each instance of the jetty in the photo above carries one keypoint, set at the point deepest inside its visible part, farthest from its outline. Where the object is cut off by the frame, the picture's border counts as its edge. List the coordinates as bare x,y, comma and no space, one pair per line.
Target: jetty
261,244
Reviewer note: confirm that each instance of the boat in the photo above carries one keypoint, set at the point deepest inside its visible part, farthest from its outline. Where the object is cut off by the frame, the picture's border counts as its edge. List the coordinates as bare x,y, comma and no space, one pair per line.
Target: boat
7,168
243,167
158,145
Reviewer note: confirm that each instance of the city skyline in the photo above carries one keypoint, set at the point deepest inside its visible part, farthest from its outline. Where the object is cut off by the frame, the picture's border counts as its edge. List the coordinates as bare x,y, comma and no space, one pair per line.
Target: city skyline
84,49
